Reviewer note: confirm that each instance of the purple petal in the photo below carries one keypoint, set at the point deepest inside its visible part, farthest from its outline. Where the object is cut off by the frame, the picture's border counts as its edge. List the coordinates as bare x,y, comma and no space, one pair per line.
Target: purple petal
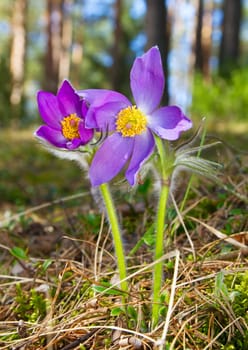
69,101
84,108
73,144
168,122
143,147
104,107
85,134
110,158
93,95
52,136
147,80
49,109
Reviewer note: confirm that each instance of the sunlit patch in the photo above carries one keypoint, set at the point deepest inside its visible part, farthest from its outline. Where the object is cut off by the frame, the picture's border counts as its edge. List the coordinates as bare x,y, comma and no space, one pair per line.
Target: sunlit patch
70,126
131,122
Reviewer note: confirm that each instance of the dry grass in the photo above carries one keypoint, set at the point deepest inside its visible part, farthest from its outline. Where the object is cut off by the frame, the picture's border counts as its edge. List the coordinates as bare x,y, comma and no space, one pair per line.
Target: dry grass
70,257
75,316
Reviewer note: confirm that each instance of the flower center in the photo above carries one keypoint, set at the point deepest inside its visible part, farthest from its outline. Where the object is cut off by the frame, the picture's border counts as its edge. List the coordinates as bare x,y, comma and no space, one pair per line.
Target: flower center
70,127
130,122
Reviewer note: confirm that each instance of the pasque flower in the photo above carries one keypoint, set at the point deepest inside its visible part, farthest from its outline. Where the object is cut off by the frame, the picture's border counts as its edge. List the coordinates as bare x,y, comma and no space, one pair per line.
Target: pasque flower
64,116
130,127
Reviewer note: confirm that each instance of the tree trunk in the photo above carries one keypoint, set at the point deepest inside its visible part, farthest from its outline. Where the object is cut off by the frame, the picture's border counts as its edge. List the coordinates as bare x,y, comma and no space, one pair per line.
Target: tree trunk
117,51
18,51
198,46
157,31
229,48
203,38
53,48
66,40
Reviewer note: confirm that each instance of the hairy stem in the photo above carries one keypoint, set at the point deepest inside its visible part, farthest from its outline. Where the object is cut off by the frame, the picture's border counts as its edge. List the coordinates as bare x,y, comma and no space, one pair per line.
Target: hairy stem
118,244
160,224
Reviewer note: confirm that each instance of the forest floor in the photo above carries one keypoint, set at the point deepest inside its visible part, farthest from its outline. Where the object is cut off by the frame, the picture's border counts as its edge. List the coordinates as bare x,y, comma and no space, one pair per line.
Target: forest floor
58,286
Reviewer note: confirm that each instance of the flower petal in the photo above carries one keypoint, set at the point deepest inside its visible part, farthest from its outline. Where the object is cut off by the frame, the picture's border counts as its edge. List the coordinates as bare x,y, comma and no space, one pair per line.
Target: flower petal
168,122
84,108
147,80
143,147
69,101
104,107
110,158
49,109
85,134
52,136
94,95
73,144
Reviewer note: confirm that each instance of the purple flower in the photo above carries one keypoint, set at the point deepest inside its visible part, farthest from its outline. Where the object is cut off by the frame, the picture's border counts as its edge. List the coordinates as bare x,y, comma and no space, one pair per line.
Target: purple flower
131,127
64,117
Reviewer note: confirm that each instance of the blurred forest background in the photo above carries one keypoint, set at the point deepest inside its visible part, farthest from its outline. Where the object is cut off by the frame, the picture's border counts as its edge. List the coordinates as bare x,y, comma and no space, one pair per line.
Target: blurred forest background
204,46
94,42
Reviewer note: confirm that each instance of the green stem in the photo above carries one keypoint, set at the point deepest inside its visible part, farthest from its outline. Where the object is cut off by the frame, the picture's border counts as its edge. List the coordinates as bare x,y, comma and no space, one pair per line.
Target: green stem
159,251
112,216
160,224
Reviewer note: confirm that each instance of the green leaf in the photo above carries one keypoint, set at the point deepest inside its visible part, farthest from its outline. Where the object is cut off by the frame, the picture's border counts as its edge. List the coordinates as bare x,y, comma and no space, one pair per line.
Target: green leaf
106,290
132,312
117,311
220,286
163,311
148,237
46,264
236,211
19,253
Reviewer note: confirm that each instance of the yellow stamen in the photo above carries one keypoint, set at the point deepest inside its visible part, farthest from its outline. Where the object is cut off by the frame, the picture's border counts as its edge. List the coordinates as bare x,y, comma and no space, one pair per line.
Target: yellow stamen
131,121
70,126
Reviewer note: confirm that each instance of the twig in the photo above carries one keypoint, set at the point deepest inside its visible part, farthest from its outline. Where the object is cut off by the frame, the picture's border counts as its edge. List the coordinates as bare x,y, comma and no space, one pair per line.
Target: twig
221,235
80,340
171,301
